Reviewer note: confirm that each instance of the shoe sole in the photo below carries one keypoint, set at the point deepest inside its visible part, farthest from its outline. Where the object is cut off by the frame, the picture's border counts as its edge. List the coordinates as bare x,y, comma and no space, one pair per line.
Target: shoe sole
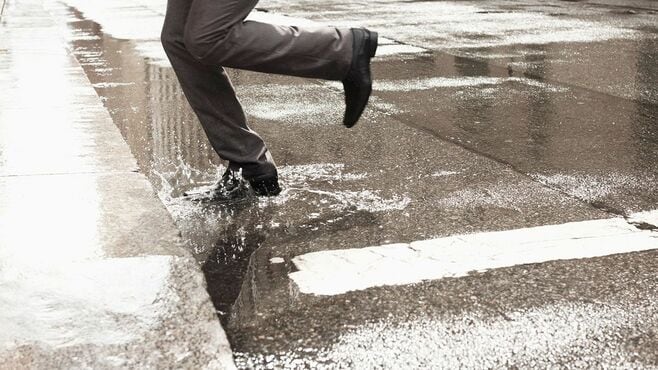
374,42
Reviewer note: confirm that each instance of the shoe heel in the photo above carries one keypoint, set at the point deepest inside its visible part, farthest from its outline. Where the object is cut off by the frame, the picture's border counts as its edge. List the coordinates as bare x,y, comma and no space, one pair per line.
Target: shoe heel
374,39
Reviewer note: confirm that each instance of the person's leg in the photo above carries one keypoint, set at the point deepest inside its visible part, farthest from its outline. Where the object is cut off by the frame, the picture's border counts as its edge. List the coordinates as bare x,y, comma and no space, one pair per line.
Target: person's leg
211,95
216,34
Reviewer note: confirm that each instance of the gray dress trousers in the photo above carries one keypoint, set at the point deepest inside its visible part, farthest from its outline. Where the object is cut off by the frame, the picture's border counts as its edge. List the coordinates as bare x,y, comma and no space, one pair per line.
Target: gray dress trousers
202,36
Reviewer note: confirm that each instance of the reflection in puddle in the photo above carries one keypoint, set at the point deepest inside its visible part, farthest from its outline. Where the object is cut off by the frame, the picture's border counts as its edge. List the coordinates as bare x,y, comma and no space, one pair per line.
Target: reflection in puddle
172,150
272,102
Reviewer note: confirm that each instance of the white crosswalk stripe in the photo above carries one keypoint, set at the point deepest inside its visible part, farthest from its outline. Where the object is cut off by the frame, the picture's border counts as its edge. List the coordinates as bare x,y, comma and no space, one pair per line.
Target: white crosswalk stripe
339,271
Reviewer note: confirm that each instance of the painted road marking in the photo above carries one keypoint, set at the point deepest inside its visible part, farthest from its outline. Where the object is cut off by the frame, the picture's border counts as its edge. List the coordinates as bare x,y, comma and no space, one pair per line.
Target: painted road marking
457,82
340,271
649,217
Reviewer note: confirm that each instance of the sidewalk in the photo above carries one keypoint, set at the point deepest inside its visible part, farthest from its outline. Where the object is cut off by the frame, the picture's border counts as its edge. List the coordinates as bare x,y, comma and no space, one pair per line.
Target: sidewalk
92,274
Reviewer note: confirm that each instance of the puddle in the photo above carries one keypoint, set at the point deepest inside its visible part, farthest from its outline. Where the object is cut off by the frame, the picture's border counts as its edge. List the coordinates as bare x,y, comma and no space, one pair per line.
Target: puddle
272,102
172,150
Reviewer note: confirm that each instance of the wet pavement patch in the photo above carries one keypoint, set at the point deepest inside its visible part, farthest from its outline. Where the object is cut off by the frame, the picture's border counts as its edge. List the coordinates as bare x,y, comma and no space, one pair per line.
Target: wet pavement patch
592,146
503,297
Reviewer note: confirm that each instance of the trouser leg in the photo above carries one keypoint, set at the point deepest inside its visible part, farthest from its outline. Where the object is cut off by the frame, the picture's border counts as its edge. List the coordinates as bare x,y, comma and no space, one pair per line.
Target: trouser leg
212,97
216,34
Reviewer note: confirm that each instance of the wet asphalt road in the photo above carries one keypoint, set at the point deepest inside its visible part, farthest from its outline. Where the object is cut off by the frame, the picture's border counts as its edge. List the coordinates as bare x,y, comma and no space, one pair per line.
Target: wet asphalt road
502,115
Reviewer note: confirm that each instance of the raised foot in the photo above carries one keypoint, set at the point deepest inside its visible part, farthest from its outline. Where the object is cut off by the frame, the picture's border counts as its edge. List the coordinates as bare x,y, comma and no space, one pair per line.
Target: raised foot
358,82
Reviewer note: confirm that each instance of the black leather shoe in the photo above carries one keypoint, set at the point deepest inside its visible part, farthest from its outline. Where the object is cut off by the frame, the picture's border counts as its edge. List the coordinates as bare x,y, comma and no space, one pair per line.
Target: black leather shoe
358,82
230,188
266,186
